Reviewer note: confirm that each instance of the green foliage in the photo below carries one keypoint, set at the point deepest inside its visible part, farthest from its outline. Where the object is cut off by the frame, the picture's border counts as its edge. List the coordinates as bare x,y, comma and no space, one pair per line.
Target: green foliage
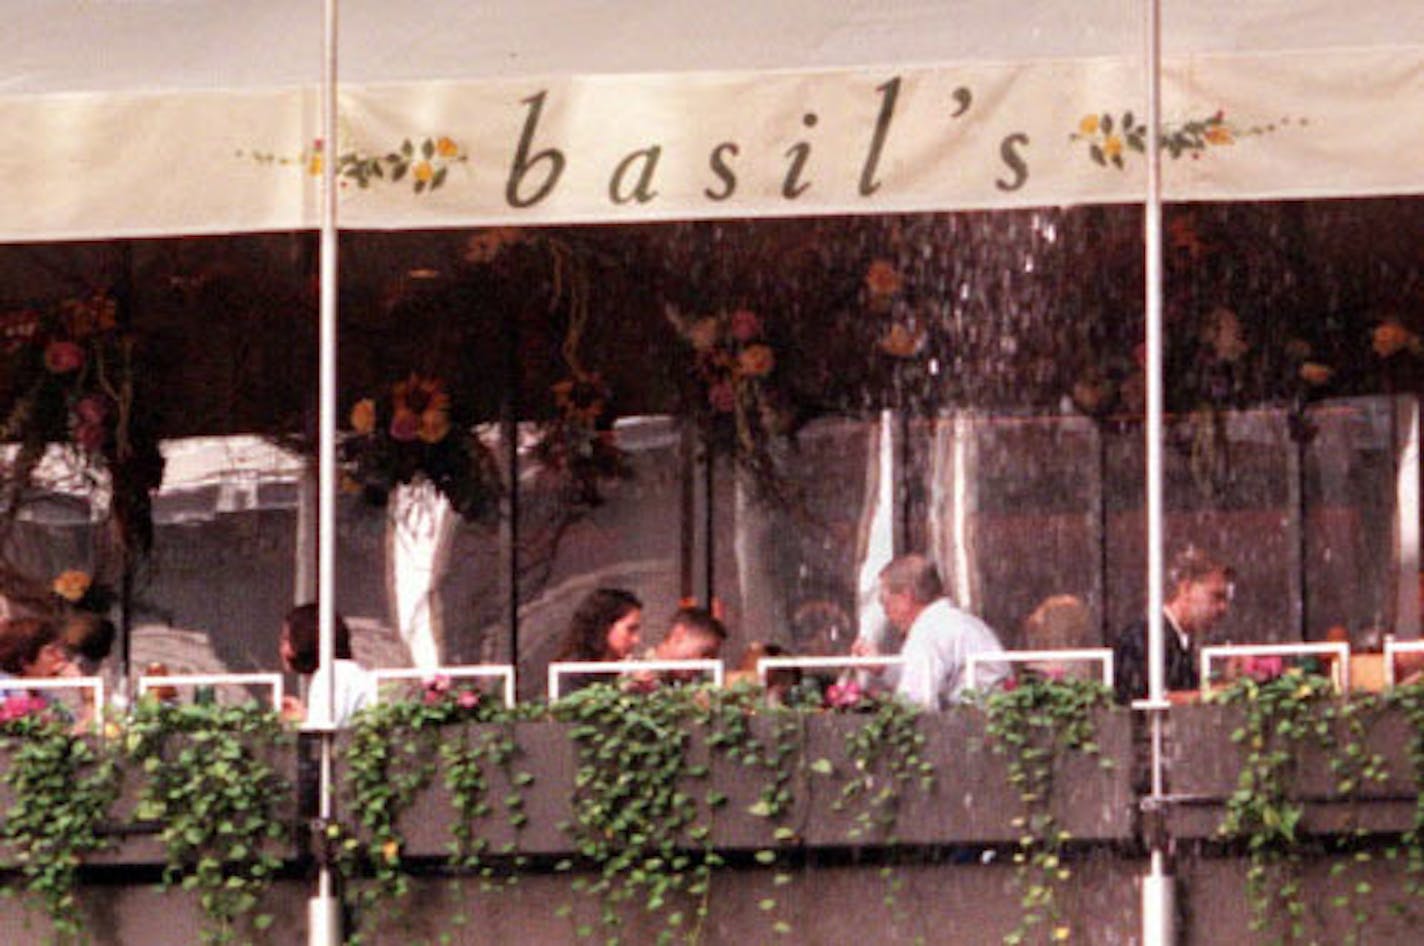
395,750
1032,725
885,756
635,817
210,782
642,808
61,787
1409,700
1280,716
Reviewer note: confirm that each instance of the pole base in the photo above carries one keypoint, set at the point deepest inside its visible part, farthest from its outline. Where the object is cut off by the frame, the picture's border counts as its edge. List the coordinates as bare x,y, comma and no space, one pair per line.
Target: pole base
1159,909
323,921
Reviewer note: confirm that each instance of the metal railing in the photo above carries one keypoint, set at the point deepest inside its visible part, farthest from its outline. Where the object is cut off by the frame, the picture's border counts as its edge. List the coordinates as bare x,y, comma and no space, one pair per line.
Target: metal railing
766,664
96,684
455,672
562,668
1337,653
1392,649
175,680
1099,655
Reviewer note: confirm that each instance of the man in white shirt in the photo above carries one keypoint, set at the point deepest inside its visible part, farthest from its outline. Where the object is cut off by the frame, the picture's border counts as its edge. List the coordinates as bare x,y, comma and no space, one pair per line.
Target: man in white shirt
939,637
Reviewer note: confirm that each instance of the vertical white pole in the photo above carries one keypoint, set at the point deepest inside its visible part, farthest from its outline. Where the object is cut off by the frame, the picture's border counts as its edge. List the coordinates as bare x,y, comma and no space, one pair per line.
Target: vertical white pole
964,432
1406,437
322,911
1157,897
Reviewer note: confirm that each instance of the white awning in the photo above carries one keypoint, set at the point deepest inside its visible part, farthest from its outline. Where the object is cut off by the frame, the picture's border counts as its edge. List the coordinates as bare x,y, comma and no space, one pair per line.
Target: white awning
147,117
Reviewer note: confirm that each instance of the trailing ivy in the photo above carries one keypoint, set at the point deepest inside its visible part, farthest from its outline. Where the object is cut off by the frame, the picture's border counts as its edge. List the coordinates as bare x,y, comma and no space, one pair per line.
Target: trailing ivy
1409,700
778,757
1032,724
634,818
395,750
210,783
1280,716
885,754
61,787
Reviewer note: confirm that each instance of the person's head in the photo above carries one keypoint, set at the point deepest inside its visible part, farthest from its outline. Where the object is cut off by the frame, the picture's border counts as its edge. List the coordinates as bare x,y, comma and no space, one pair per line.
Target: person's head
301,639
1060,622
607,625
908,585
778,679
1199,590
694,634
89,635
31,647
821,627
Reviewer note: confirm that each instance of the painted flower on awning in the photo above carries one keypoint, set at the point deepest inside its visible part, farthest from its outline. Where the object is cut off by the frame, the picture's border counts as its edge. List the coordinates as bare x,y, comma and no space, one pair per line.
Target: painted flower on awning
426,161
1112,138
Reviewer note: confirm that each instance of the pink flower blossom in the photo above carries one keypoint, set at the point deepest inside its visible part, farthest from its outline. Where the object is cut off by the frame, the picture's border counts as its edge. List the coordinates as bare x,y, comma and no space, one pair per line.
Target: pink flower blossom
1009,684
19,705
843,695
437,689
745,325
1263,668
468,699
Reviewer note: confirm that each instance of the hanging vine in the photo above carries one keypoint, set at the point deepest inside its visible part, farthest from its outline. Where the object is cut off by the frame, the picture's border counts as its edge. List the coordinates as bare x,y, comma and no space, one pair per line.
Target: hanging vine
62,786
211,784
1032,724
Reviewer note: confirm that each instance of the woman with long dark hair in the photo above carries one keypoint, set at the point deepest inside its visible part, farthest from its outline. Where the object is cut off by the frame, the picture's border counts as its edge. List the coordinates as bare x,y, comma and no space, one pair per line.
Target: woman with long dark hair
606,626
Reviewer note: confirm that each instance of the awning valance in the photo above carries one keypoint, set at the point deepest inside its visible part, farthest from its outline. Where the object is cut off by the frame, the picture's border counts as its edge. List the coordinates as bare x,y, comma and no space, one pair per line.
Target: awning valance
146,117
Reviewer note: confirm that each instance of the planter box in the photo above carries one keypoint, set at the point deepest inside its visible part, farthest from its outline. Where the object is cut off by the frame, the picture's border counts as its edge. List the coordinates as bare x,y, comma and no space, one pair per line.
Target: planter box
137,842
1204,764
970,802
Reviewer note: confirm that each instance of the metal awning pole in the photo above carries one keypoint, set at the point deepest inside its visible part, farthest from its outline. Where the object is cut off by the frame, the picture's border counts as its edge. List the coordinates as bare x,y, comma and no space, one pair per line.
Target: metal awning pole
323,914
1158,909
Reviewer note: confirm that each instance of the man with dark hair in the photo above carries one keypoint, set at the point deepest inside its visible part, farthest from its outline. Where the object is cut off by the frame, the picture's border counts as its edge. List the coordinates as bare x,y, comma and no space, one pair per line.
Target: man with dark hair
939,637
300,648
1198,597
693,634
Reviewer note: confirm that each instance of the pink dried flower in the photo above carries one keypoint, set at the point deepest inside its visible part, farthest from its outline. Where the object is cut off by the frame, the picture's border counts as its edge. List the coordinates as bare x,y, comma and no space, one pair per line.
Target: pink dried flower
62,357
722,397
745,325
89,415
405,426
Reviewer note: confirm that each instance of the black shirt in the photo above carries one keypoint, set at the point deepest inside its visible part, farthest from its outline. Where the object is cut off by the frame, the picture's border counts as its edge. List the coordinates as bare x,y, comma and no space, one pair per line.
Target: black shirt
1130,661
